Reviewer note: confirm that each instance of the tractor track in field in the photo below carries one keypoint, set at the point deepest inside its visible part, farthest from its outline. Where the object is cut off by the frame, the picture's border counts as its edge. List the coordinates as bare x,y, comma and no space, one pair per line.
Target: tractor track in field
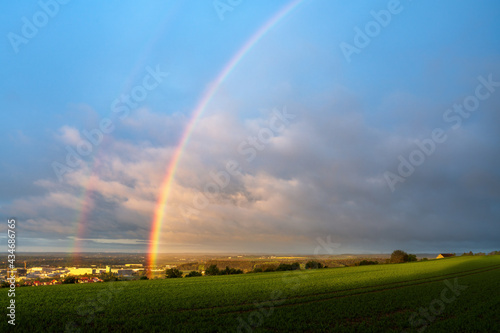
390,286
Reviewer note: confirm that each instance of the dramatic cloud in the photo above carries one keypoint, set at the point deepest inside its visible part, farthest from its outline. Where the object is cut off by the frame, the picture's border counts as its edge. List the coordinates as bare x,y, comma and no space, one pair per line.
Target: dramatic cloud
296,144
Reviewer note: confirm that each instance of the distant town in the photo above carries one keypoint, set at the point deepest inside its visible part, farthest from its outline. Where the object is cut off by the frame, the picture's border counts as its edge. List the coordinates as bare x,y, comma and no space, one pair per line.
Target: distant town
49,275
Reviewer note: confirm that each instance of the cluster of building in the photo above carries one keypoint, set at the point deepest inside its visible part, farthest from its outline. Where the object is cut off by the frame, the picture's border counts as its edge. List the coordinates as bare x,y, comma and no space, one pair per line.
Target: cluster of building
32,275
83,279
37,283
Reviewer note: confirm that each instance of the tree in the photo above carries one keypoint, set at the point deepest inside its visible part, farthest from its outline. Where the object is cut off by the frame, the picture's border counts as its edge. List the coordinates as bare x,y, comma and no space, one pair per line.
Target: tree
226,271
69,279
229,271
313,264
399,256
144,277
194,273
412,257
284,267
367,262
212,270
288,267
106,277
172,273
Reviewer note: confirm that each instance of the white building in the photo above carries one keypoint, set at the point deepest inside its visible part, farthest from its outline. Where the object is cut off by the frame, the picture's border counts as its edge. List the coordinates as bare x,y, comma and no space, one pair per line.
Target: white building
81,271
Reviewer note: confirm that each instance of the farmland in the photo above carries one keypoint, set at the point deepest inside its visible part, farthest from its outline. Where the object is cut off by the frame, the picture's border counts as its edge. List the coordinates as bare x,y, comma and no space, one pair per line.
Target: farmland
449,295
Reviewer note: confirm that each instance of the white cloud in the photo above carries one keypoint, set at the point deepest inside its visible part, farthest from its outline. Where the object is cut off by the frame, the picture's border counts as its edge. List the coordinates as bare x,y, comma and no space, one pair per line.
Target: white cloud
69,135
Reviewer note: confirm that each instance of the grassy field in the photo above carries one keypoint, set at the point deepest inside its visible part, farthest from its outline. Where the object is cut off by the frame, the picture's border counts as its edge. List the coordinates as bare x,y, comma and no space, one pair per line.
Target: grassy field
448,295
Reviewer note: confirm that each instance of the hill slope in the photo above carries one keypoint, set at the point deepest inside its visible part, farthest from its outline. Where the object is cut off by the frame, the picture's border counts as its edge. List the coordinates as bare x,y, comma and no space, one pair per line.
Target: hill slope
455,294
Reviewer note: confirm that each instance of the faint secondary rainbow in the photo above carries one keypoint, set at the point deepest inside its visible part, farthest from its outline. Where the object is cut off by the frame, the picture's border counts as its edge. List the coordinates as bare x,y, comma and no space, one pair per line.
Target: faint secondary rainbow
166,186
86,203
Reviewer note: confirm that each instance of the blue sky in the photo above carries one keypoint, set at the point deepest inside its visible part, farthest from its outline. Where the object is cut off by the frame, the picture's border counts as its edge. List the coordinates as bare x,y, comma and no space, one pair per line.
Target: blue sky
324,175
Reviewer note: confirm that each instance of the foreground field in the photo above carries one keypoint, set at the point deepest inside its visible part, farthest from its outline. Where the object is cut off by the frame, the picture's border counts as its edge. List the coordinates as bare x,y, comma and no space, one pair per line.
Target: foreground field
448,295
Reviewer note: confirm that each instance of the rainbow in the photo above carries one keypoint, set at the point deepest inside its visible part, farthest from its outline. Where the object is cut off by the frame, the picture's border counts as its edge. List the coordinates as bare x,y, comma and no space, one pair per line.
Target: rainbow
159,212
86,203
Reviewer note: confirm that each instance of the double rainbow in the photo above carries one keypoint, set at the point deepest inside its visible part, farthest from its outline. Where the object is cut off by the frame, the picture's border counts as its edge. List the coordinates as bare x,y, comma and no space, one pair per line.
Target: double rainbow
166,186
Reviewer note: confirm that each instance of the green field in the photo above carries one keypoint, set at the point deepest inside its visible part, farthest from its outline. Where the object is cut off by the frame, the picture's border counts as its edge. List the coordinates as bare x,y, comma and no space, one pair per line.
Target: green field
448,295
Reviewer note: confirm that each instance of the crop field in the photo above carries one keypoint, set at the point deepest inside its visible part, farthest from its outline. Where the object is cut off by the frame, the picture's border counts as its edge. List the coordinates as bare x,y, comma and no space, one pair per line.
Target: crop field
449,295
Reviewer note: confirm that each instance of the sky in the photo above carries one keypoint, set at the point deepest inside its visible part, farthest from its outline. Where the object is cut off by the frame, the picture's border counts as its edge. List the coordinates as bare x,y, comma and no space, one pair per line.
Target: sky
308,126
